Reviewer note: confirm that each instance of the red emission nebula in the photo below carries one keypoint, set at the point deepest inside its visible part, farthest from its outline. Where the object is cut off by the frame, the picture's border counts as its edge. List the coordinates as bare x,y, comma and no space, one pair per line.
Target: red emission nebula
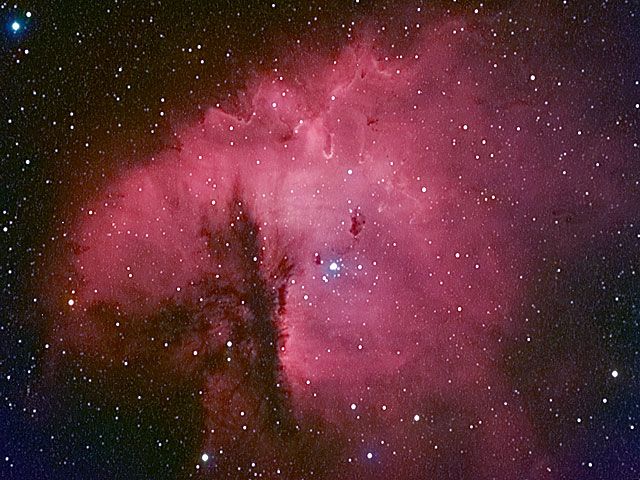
330,267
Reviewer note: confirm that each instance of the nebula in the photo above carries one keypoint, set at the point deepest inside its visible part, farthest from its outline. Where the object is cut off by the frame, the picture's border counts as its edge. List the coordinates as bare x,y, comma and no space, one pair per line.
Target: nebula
326,271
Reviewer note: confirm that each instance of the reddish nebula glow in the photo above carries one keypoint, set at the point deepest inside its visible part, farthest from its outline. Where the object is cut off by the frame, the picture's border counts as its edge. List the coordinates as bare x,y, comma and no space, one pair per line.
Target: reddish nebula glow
334,265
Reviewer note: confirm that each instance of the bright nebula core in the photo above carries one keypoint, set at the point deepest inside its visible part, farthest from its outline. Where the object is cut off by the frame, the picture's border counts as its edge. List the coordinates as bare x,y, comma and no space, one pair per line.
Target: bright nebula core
412,256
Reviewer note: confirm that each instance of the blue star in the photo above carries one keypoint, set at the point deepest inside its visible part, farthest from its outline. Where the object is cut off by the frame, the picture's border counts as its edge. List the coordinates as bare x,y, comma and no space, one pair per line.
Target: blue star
18,23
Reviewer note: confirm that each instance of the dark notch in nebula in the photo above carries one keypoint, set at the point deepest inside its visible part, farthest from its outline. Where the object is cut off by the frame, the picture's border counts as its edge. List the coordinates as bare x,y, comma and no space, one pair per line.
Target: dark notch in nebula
208,356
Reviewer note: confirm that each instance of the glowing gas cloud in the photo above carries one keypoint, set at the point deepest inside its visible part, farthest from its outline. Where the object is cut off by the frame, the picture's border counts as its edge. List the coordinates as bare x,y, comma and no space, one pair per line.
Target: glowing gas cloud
331,269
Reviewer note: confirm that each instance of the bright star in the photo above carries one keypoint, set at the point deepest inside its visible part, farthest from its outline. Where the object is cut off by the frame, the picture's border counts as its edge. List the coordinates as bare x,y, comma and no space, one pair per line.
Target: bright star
333,267
205,457
15,26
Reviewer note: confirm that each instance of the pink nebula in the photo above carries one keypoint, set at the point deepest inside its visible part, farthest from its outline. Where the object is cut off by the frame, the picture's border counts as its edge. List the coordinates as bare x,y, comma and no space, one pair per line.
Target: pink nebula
347,247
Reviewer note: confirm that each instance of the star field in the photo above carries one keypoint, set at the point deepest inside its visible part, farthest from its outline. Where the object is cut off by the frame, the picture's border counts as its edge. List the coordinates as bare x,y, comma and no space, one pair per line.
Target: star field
332,240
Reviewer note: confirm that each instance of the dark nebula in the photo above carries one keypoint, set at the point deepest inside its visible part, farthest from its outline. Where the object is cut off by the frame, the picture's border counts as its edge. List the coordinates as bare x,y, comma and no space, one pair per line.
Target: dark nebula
408,251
